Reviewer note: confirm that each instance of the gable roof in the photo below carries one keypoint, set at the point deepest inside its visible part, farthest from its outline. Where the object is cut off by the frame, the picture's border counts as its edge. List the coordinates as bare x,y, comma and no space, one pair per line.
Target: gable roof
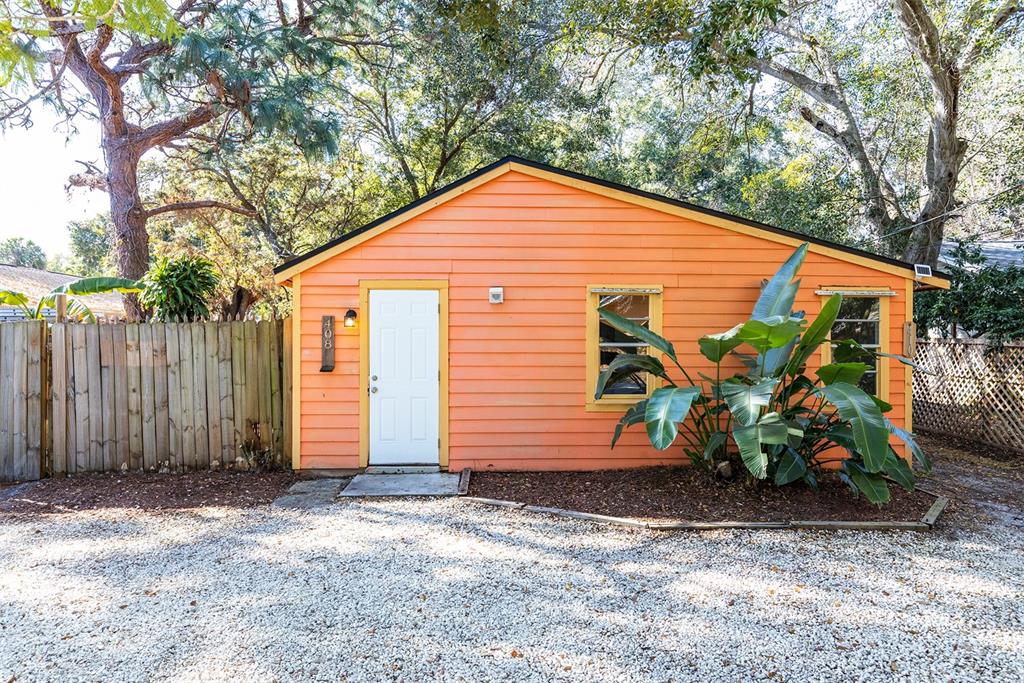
285,271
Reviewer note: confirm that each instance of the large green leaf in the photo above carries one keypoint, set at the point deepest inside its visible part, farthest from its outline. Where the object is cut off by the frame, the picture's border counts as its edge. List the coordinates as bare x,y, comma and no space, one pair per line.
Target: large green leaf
841,435
791,468
817,332
666,408
746,400
770,333
899,471
777,359
11,298
872,485
714,443
628,364
842,372
634,415
848,349
777,297
716,346
749,439
638,331
919,456
98,285
884,406
866,421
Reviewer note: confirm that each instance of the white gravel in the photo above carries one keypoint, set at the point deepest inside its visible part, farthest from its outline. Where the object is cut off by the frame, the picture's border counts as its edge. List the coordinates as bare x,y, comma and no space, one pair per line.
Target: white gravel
423,590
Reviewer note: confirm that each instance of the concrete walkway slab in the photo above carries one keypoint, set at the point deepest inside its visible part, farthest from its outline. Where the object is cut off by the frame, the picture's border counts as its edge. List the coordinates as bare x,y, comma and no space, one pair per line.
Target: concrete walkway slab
310,494
374,485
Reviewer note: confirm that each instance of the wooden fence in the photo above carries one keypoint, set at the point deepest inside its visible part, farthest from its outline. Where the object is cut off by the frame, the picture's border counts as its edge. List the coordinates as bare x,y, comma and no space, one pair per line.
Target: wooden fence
22,399
151,396
976,393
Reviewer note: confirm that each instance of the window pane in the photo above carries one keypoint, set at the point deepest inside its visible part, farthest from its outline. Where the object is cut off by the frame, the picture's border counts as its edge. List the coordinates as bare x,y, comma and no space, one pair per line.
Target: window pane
859,320
612,342
869,382
865,333
859,308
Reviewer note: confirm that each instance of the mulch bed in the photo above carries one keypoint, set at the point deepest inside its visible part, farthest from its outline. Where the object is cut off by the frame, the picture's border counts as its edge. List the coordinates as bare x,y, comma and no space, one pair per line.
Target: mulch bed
147,491
685,493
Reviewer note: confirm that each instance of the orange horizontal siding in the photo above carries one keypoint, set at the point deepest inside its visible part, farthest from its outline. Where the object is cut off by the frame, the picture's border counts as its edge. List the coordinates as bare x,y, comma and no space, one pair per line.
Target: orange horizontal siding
517,387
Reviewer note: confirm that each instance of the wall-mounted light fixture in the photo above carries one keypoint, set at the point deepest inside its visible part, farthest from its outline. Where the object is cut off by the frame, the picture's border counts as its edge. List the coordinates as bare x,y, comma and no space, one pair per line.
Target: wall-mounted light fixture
350,318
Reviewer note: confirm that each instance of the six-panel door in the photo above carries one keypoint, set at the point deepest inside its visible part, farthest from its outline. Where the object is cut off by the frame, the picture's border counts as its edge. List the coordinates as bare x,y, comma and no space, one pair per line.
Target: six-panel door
404,377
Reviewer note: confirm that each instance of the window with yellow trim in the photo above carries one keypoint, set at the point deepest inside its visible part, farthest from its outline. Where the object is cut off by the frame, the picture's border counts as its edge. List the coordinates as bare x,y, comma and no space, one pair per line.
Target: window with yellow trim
864,318
642,305
859,319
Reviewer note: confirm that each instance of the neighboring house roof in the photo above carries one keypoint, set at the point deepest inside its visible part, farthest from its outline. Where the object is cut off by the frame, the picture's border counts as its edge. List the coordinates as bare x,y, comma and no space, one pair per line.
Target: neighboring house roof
1000,253
285,271
36,284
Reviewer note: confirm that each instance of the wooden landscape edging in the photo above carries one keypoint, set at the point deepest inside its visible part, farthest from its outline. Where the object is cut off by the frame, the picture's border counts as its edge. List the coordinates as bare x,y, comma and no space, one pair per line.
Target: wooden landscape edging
926,523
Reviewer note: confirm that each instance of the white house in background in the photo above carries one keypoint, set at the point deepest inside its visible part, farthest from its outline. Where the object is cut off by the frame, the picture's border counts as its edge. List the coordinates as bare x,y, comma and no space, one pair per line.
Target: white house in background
37,283
1001,253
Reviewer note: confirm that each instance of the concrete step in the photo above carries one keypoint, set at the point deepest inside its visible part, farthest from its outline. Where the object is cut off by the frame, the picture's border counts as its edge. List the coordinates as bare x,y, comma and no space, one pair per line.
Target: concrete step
402,469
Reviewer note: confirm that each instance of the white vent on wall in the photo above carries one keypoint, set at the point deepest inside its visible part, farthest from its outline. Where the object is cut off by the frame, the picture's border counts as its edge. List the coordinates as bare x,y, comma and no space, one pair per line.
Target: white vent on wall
496,295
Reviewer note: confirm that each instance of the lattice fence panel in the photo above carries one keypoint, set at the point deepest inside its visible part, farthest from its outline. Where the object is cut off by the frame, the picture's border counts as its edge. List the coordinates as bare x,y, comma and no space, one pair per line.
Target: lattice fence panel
977,393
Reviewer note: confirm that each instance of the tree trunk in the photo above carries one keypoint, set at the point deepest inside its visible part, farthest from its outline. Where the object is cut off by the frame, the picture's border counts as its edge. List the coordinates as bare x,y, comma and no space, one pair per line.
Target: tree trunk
925,242
131,240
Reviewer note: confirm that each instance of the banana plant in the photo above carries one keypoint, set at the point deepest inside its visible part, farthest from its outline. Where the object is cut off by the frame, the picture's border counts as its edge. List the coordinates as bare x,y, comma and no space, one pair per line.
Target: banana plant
72,290
784,425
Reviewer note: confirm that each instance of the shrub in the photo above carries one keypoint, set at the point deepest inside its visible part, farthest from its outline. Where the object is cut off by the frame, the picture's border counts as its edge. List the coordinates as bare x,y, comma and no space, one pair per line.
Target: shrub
782,425
178,289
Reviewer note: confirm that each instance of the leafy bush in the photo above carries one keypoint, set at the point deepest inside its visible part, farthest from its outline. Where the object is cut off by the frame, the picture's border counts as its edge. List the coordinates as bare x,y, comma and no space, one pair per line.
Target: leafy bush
982,300
782,425
179,288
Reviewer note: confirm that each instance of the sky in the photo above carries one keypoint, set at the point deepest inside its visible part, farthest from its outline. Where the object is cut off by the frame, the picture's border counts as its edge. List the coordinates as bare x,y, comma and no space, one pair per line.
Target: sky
34,168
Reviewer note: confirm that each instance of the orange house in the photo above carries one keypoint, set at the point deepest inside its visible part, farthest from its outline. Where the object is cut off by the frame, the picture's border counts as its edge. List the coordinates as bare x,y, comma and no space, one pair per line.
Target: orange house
465,331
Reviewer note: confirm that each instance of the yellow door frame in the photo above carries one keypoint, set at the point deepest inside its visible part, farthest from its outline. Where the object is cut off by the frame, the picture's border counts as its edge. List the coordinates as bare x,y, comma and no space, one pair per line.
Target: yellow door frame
365,286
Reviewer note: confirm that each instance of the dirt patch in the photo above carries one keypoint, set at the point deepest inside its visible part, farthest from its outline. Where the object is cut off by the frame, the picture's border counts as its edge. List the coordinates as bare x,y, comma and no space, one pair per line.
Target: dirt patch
978,480
147,491
661,493
991,455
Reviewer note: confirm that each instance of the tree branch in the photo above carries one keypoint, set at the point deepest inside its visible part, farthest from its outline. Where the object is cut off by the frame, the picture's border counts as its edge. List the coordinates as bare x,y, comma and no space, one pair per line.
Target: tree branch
199,204
164,132
1011,10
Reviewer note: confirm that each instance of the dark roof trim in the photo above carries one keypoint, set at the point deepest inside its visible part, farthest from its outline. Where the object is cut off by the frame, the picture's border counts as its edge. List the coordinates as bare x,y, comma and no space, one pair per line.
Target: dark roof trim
604,183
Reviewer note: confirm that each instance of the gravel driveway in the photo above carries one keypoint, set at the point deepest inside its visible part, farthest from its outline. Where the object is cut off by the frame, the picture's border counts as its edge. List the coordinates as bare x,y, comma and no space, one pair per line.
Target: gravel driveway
448,590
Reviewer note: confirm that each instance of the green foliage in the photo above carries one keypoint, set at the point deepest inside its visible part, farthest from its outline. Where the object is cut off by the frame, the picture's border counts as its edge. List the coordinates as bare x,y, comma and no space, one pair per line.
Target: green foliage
785,426
91,244
76,308
178,289
18,251
24,26
982,301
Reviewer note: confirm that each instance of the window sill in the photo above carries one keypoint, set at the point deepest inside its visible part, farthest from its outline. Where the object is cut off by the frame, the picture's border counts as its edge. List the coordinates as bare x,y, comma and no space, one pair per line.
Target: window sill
613,405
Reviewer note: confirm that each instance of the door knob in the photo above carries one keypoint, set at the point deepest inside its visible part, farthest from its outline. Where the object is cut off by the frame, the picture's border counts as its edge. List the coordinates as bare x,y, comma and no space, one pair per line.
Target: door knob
373,377
373,390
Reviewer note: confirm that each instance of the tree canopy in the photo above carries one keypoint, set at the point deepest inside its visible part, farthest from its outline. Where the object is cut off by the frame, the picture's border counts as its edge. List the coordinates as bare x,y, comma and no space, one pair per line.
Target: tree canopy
18,251
248,132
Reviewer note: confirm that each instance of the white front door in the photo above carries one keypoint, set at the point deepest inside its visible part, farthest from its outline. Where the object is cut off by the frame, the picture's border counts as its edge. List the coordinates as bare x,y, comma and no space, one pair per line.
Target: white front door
404,377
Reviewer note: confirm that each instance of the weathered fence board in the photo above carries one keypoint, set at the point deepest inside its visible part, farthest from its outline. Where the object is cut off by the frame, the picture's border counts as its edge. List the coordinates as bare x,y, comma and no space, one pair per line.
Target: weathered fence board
975,393
24,411
170,396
